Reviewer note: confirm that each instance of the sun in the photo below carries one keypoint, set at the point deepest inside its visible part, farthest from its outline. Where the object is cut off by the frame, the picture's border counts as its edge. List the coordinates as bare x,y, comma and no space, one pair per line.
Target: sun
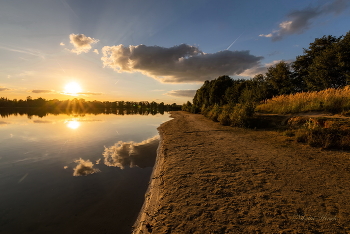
72,88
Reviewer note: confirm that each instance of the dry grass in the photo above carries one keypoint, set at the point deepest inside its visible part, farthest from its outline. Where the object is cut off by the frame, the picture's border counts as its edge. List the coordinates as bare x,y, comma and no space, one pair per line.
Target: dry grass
329,100
320,132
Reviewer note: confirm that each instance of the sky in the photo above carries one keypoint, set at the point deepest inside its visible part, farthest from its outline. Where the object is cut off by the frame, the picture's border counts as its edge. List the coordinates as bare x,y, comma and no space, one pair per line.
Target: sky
151,50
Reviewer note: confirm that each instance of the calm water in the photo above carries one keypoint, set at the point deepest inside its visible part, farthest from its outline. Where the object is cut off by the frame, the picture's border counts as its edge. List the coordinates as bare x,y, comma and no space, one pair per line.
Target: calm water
75,174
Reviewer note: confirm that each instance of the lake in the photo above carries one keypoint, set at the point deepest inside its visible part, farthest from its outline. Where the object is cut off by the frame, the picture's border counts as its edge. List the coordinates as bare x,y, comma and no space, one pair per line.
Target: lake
75,173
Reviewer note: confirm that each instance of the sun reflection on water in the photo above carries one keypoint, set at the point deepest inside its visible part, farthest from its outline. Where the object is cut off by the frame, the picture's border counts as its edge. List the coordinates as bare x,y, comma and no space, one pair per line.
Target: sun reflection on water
73,124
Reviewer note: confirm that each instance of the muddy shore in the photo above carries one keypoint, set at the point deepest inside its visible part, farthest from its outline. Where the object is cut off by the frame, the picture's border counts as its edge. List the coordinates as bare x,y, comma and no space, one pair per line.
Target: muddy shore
210,178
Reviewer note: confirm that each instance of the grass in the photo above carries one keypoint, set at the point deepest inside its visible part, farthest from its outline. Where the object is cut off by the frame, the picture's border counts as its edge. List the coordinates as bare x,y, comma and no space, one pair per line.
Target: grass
329,100
320,132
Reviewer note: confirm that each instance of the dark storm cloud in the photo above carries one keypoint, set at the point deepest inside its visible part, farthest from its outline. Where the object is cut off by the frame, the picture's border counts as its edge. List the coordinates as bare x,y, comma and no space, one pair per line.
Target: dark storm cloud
131,154
300,20
182,93
177,64
41,91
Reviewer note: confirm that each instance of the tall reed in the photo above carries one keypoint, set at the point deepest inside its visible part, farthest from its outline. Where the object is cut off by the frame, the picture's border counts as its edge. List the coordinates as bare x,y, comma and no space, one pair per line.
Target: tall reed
330,100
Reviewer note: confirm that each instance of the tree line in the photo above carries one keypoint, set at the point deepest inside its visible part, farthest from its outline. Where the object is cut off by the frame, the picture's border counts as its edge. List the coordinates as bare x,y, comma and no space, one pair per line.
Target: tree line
30,112
81,106
325,64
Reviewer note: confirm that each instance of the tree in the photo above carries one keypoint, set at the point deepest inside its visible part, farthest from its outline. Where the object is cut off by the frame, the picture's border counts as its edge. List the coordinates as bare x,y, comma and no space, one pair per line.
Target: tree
344,57
217,90
280,78
319,64
261,89
233,93
202,95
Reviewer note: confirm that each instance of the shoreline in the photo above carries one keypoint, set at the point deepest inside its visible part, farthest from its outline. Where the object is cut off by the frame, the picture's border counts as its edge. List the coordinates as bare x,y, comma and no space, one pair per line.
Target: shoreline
139,223
210,178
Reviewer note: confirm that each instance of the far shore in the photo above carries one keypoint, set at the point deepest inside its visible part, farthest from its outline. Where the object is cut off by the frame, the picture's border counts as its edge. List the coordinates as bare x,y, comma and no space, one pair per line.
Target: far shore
210,178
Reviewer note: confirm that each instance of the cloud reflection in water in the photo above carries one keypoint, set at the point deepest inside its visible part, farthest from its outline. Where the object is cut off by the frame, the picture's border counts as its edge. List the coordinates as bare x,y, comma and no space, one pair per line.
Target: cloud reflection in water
41,121
123,154
84,168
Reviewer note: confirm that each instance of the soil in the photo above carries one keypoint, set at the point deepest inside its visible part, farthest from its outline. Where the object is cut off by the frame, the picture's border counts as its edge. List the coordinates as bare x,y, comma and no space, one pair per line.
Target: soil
210,178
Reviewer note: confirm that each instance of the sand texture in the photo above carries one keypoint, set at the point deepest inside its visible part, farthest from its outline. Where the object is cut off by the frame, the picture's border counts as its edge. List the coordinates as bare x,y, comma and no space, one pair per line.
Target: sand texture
210,178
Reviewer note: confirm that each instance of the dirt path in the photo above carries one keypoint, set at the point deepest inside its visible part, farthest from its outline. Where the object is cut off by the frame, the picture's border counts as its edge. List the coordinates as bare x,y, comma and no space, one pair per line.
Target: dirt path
215,179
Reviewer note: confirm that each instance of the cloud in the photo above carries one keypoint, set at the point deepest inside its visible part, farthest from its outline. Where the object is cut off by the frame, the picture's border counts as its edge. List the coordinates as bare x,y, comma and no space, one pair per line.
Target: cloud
84,168
254,71
182,93
3,89
81,43
41,91
131,154
96,51
89,93
300,20
177,64
266,35
81,93
261,69
62,44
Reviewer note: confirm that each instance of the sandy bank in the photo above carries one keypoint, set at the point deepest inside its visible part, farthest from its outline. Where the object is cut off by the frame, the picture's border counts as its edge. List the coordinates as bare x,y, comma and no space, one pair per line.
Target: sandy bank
210,178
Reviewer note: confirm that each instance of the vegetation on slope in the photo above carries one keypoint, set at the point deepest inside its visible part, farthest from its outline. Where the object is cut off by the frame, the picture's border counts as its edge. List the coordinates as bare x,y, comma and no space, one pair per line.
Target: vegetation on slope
318,80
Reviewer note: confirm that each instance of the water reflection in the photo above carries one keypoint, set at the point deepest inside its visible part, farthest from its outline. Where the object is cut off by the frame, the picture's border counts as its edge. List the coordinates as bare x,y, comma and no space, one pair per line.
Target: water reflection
32,112
41,121
73,124
37,164
131,154
84,168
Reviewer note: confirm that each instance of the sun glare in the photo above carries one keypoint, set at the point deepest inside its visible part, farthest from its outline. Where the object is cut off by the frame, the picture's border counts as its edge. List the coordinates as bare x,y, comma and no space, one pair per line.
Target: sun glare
73,124
72,88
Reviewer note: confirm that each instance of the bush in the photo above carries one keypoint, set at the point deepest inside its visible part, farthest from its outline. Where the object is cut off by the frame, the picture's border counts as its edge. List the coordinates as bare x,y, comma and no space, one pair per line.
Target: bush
242,115
214,112
331,135
224,116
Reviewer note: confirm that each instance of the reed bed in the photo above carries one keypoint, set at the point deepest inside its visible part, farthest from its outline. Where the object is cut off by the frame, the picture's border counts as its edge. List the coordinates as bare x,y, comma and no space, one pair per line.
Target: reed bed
329,100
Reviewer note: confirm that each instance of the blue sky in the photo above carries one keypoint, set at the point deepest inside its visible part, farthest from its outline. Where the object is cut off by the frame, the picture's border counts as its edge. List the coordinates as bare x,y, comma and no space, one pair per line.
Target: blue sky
152,50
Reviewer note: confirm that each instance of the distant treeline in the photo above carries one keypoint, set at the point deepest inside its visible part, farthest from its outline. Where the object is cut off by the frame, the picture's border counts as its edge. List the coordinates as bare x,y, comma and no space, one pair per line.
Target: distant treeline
325,64
30,112
42,107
